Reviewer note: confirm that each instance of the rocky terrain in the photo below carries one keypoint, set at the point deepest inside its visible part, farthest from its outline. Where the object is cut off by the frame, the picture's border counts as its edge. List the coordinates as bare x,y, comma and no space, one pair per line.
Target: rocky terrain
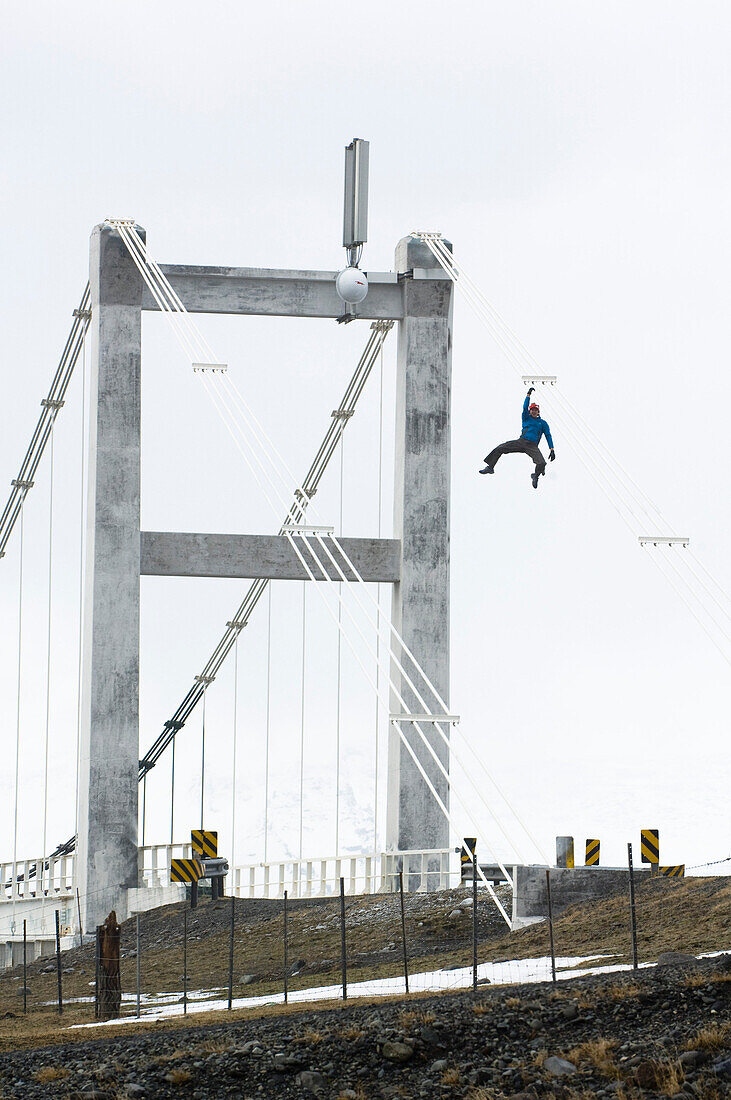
664,1031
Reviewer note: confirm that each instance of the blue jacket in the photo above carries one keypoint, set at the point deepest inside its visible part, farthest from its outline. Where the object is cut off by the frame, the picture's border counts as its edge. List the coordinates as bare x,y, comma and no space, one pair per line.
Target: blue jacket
533,427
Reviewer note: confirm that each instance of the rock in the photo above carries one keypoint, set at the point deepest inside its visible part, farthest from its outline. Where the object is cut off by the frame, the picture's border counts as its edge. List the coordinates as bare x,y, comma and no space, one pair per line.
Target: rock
253,1046
722,1068
558,1067
692,1058
133,1089
454,914
439,1066
395,1051
347,1094
296,967
677,959
570,1011
286,1063
21,990
246,979
311,1080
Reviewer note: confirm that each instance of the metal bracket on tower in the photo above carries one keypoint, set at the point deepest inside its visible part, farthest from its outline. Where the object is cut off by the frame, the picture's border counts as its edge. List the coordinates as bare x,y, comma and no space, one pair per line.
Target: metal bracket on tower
235,626
47,403
448,719
83,314
663,540
342,414
220,367
544,379
19,484
205,680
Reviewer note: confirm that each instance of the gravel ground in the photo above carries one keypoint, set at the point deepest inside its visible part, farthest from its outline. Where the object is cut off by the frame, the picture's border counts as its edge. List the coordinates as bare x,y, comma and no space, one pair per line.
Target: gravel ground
665,1031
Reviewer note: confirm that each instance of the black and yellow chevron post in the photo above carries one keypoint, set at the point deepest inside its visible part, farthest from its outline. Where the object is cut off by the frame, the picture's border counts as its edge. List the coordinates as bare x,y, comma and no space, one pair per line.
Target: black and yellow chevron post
185,870
650,846
205,843
592,853
678,871
467,858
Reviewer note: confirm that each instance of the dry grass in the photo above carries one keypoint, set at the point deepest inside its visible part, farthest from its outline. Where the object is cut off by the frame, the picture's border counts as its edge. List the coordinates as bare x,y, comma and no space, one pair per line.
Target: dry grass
311,1036
693,981
451,1076
512,1002
539,1058
483,1009
598,1053
417,1016
179,1076
47,1074
712,1038
352,1033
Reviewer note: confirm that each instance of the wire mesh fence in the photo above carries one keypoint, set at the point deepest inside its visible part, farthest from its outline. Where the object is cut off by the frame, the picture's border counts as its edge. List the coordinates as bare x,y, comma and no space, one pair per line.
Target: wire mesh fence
237,953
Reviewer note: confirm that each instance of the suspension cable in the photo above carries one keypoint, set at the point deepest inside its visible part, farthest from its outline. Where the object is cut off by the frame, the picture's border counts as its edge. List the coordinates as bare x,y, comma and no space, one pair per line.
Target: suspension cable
48,665
338,687
17,726
302,716
233,763
268,722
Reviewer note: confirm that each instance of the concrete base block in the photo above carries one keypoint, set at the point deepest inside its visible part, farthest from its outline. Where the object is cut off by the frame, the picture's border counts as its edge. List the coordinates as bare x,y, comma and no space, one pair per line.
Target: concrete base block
142,898
569,886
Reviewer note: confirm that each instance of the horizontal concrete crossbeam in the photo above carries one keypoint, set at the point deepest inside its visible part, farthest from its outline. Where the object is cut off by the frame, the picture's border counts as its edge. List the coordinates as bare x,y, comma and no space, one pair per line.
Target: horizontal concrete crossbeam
276,293
185,554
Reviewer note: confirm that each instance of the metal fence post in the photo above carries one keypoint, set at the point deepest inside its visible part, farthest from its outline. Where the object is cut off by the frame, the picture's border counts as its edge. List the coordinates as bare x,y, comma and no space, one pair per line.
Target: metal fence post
403,929
97,962
139,971
550,925
58,961
633,917
286,961
343,961
78,910
185,962
474,920
231,955
25,966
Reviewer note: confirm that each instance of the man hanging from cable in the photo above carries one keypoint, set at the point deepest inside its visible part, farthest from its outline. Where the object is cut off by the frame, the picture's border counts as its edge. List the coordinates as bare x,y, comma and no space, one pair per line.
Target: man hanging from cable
533,431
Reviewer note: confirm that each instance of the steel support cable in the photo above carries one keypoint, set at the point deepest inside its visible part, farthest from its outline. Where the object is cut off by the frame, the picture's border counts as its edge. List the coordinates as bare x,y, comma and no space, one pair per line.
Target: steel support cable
339,669
14,890
709,575
48,665
420,699
233,763
293,542
50,409
302,718
493,321
268,722
378,600
398,694
81,584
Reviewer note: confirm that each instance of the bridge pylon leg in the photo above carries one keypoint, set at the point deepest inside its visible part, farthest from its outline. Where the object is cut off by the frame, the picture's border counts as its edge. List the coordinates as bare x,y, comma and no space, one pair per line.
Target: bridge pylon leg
420,601
107,859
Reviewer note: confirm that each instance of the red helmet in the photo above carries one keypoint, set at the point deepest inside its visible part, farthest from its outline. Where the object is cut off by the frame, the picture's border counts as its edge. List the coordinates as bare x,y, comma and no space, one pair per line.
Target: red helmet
534,406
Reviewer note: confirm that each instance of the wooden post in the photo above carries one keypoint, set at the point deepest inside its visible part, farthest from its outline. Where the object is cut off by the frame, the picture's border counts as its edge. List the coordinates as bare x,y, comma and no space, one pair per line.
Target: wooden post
633,916
474,920
139,963
110,983
286,961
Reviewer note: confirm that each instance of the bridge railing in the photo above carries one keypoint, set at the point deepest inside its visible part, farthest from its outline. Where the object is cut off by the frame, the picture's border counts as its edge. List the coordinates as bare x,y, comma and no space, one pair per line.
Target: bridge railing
37,878
364,873
370,873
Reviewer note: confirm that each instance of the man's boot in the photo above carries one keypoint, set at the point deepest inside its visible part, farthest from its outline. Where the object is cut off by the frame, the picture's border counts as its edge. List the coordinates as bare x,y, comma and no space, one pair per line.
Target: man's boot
534,478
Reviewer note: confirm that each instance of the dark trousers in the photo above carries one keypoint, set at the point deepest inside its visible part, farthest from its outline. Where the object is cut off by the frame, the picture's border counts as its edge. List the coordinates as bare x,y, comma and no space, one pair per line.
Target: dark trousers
518,446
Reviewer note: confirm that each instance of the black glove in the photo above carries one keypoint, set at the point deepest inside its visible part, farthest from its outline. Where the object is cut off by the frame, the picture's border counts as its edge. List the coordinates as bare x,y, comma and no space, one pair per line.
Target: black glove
552,455
530,391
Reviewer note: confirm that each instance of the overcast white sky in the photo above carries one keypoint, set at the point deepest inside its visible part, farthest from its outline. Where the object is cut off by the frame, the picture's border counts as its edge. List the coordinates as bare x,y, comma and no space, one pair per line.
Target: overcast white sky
578,156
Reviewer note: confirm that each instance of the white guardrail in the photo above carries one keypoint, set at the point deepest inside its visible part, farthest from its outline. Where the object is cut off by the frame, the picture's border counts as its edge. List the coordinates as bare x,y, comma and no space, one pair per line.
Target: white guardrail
37,878
369,873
